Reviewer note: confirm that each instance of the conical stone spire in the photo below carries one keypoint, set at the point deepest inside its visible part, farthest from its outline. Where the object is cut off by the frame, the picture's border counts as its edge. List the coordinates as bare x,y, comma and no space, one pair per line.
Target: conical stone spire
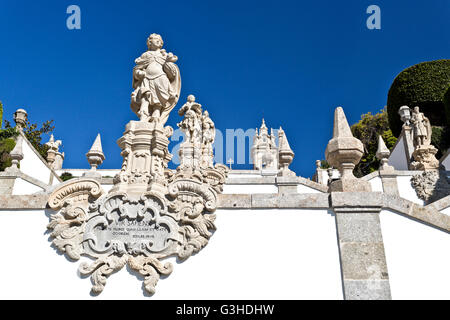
343,152
285,154
95,155
16,155
383,154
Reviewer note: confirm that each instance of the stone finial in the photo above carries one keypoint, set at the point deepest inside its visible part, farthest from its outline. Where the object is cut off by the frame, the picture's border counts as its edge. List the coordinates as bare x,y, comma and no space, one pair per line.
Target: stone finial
16,155
95,155
263,129
264,150
318,164
383,154
285,154
343,152
20,118
53,152
405,115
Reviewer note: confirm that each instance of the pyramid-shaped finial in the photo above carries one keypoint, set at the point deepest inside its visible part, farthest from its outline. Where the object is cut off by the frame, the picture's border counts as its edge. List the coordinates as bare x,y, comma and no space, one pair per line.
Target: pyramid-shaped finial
97,145
285,154
382,151
16,155
343,152
95,155
341,127
383,154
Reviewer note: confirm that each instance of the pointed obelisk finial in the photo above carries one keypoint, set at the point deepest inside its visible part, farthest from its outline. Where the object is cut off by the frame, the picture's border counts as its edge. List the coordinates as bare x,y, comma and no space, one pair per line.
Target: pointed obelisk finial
95,155
16,155
343,152
341,127
383,154
285,154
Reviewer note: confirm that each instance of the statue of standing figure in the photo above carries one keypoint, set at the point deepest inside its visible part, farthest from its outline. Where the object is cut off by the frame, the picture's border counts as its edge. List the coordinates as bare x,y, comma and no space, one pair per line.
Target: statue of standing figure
156,83
191,124
421,128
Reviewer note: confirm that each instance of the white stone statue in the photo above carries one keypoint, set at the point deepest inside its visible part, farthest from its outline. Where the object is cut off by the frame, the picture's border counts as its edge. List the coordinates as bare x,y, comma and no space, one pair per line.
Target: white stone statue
421,128
156,83
209,130
191,124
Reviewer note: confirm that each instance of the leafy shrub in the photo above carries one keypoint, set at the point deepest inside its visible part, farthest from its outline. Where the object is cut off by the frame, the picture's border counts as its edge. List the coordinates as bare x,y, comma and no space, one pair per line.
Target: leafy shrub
367,130
422,85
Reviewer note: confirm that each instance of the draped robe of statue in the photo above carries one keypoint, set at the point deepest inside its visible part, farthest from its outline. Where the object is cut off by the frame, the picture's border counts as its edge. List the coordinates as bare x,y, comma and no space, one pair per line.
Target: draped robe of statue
156,84
421,129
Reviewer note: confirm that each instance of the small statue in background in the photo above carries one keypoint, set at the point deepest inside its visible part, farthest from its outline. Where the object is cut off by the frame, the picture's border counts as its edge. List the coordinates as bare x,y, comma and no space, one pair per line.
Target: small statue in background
191,124
421,128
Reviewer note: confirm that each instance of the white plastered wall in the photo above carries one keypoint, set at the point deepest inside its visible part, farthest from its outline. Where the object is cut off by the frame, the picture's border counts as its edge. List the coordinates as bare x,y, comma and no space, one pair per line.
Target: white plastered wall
254,254
417,258
22,187
249,188
33,166
406,190
398,159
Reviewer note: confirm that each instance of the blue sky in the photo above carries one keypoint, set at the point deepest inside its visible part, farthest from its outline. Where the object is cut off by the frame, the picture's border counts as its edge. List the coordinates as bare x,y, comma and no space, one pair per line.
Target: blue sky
291,62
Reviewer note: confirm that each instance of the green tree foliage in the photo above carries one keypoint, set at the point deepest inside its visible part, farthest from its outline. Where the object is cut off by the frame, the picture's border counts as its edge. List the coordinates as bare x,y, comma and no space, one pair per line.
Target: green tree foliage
367,130
66,176
446,101
31,131
34,134
7,142
422,85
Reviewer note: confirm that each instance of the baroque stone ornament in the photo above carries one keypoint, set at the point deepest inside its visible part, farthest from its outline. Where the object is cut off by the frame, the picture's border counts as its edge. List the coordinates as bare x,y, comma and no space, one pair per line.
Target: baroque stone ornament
431,185
343,152
264,150
152,212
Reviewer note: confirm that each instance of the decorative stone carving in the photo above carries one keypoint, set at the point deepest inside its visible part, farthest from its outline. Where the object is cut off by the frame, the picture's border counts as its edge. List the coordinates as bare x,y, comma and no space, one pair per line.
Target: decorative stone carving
264,150
431,185
383,154
285,155
200,132
16,155
152,212
54,157
20,118
156,83
343,152
95,157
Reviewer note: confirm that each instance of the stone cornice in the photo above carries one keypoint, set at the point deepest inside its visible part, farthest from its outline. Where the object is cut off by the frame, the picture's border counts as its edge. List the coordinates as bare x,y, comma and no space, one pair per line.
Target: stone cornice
429,214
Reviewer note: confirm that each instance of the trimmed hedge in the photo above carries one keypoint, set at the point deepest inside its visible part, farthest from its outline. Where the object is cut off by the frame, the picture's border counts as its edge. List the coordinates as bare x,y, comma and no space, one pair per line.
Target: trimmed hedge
422,85
446,101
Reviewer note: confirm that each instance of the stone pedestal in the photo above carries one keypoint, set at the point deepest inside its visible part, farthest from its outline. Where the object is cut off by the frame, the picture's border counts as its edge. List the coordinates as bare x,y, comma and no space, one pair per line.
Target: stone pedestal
190,155
145,156
361,248
287,184
389,181
425,158
7,184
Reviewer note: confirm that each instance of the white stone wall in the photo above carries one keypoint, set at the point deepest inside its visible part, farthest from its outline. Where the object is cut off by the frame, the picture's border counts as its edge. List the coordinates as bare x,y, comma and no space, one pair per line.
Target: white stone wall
254,254
33,166
406,190
417,258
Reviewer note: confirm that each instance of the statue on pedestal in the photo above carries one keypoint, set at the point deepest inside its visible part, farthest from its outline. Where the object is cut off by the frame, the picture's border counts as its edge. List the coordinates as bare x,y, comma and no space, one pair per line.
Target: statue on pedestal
152,212
421,128
156,82
424,153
